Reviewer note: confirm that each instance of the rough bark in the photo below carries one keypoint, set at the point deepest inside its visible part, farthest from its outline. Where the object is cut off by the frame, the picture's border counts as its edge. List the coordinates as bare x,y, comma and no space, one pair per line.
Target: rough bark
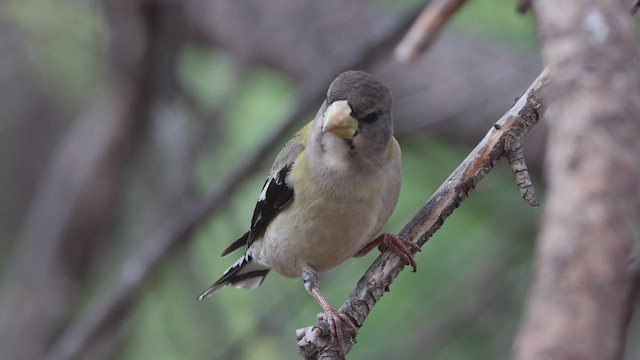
578,303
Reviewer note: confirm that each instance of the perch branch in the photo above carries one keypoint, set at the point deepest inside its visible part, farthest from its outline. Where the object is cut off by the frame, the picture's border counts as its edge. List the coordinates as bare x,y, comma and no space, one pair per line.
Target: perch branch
515,157
315,342
425,29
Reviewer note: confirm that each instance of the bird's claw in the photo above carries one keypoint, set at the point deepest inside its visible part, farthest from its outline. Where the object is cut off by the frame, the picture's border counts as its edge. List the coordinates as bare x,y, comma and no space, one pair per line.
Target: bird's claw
337,323
402,247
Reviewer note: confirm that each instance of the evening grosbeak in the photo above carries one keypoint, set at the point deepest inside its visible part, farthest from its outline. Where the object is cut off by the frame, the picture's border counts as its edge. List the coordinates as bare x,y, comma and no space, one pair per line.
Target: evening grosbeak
329,192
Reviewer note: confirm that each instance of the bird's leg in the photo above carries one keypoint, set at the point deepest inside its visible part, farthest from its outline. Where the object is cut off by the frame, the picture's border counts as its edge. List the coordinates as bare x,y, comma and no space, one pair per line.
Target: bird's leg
401,246
335,319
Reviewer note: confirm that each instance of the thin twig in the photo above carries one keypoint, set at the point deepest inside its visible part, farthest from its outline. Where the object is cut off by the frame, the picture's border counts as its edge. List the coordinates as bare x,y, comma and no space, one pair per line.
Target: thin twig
515,157
377,280
425,29
111,304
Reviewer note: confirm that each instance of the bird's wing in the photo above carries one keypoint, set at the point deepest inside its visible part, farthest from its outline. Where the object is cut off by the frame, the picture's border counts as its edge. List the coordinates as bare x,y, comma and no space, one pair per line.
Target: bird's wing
276,193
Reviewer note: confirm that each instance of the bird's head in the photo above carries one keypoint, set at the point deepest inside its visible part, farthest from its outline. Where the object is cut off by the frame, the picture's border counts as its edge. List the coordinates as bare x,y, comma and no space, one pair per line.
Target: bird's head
358,110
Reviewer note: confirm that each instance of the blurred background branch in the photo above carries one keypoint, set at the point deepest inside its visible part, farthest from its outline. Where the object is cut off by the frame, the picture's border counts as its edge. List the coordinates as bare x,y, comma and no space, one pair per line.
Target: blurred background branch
425,29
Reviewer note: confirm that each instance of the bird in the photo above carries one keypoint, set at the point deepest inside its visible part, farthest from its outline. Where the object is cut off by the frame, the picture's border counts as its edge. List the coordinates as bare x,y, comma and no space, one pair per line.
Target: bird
330,191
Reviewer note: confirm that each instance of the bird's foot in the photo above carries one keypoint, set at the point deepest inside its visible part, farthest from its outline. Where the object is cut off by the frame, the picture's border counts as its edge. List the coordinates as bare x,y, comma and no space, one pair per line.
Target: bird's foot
338,323
401,246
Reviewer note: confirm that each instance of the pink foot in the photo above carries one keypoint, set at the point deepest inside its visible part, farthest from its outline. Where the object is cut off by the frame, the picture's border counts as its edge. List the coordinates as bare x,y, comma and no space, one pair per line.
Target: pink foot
402,247
337,322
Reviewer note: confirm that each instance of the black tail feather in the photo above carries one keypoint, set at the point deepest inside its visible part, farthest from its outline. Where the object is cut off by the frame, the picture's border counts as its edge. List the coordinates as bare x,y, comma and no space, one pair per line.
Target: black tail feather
236,245
245,274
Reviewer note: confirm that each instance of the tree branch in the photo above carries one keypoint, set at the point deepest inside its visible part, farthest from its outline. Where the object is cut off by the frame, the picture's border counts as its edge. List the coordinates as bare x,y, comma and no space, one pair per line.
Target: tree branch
315,342
515,156
425,29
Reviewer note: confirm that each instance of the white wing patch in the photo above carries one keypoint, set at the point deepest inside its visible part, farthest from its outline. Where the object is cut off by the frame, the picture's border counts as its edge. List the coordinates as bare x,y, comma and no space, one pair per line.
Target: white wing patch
263,194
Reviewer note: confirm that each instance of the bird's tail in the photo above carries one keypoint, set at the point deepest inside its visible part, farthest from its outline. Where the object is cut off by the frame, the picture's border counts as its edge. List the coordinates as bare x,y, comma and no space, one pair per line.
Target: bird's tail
245,274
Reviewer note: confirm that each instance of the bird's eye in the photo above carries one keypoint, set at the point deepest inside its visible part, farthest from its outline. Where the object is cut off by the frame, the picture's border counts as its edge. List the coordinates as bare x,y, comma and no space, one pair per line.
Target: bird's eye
372,117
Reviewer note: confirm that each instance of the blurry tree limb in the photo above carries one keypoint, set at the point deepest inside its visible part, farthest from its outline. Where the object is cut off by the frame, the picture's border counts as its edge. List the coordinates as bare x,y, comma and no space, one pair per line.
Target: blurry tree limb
314,38
578,302
112,303
22,124
208,121
425,29
432,96
36,290
73,205
314,342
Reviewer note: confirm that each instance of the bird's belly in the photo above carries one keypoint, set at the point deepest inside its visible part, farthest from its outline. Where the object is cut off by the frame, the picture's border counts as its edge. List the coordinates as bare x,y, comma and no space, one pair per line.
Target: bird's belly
320,235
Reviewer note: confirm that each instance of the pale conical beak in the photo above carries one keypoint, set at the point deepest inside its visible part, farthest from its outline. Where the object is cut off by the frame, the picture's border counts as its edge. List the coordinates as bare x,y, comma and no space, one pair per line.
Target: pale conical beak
338,120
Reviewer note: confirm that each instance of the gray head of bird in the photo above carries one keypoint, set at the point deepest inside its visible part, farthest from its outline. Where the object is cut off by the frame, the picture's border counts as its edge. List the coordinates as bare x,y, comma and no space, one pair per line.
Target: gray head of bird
358,112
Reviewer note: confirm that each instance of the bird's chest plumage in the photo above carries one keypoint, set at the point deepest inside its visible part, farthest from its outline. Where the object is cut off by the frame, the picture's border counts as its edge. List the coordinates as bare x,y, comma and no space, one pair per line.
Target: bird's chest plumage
329,224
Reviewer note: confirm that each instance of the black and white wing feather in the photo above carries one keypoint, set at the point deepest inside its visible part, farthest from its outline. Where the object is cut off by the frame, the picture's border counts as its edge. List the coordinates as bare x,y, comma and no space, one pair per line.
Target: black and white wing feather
276,194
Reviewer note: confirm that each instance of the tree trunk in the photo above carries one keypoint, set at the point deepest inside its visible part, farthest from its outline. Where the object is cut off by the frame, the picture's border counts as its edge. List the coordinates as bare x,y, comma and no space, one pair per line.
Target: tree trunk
580,296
